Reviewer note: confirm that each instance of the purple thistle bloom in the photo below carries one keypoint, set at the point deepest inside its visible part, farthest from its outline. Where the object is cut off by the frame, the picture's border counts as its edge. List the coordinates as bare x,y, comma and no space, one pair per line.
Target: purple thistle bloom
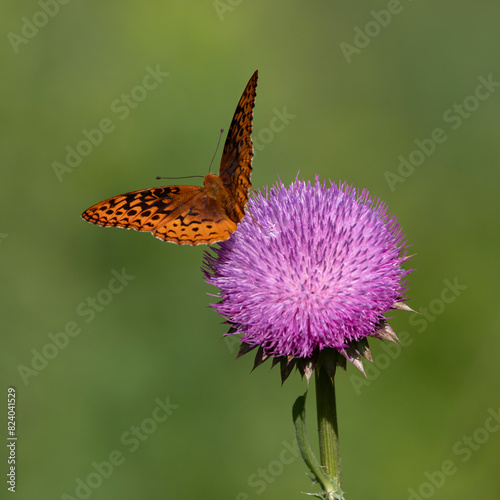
310,268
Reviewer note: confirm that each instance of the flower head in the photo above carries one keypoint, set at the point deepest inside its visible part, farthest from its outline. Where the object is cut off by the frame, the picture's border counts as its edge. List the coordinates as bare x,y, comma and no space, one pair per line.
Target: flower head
310,268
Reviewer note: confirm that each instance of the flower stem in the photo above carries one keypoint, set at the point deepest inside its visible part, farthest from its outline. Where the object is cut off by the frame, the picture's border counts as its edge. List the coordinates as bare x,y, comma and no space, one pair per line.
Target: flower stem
327,424
331,490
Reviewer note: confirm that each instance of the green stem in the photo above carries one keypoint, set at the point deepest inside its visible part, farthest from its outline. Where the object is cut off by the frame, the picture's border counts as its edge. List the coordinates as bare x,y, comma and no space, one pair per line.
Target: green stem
327,424
299,418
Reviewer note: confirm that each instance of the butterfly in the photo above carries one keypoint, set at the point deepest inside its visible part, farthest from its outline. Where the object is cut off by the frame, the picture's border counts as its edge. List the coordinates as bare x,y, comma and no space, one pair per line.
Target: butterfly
193,215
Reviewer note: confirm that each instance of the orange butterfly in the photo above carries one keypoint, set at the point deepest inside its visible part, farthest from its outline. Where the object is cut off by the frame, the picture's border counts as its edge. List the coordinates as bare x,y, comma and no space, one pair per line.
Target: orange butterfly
193,215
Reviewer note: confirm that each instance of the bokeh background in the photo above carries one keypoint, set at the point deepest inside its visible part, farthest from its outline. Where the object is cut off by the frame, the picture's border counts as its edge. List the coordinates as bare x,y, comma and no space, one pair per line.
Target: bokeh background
353,103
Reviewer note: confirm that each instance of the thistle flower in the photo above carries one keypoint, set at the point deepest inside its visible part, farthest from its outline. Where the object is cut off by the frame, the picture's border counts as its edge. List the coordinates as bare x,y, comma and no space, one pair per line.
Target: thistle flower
311,269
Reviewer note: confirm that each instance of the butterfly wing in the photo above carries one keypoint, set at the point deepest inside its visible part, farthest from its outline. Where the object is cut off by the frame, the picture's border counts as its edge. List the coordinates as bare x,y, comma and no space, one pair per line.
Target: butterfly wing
236,162
178,214
192,215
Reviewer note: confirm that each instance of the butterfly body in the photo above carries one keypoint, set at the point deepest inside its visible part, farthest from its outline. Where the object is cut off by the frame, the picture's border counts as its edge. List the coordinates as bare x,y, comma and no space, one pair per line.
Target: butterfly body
192,215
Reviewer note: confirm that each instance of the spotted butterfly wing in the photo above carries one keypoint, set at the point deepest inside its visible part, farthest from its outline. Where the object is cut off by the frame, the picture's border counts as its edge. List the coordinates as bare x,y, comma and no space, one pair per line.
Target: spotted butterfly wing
192,215
236,161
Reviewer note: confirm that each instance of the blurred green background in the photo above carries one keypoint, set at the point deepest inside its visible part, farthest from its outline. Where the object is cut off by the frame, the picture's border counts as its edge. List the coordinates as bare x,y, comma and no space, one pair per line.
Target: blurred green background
360,85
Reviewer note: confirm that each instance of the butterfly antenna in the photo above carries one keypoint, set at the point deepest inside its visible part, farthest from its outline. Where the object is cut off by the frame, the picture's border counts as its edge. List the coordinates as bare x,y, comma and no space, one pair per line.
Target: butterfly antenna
218,143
